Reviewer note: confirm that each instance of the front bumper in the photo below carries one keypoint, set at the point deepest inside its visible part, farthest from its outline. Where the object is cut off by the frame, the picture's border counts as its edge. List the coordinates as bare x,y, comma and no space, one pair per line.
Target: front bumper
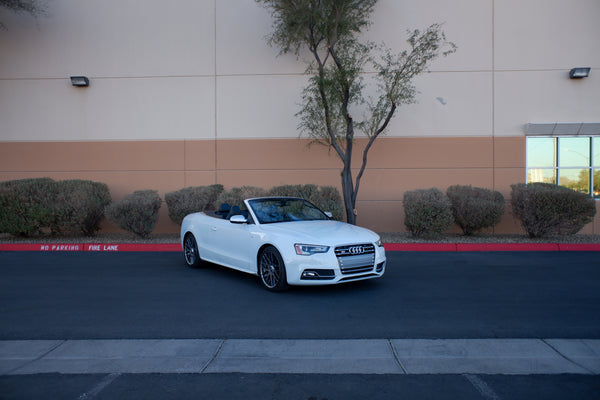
324,269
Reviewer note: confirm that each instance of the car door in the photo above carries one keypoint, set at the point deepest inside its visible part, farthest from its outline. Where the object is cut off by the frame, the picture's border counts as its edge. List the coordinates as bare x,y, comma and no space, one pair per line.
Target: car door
233,244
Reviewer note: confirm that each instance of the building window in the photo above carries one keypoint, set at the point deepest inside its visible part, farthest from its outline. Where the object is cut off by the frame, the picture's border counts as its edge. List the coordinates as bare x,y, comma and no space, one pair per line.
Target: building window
573,162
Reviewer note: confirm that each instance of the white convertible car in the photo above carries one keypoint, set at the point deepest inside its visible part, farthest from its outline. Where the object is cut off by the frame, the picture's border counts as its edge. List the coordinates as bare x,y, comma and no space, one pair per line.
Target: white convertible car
283,240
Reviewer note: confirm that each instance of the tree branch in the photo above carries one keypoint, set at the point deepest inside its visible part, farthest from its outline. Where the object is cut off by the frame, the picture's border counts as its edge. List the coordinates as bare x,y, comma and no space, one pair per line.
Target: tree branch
370,143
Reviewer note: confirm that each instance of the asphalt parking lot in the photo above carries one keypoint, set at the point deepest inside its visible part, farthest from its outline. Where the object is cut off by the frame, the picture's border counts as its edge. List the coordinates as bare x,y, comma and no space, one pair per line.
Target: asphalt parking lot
75,298
422,295
299,387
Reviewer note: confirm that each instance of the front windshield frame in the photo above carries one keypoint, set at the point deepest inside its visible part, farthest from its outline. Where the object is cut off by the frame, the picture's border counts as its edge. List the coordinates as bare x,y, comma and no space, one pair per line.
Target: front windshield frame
270,210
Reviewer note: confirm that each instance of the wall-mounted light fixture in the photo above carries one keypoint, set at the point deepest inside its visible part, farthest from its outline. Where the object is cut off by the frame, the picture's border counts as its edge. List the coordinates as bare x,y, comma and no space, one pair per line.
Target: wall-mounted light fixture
80,81
578,73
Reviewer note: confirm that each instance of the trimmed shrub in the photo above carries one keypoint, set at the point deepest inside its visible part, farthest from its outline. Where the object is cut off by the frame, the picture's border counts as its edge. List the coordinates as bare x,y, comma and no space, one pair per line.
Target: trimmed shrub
475,208
26,205
192,199
79,206
427,212
307,192
237,195
327,198
136,212
545,209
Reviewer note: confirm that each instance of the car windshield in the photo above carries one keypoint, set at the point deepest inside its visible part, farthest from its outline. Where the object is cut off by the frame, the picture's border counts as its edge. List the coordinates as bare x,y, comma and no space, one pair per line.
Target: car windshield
269,211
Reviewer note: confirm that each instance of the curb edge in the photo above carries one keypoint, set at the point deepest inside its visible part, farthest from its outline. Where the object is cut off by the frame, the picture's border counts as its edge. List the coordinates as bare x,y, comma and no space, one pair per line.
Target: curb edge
424,247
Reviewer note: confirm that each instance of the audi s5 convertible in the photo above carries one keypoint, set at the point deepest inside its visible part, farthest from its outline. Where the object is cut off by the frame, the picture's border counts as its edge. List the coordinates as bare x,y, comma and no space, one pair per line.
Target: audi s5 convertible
283,240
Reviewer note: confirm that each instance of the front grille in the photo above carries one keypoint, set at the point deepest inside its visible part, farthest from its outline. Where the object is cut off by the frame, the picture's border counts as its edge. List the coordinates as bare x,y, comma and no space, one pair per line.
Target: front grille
354,249
356,258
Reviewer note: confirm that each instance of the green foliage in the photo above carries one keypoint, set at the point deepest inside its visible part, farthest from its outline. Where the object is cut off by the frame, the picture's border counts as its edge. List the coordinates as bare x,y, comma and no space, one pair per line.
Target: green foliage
427,212
30,6
329,31
136,212
545,209
335,87
72,206
327,198
33,7
192,199
475,208
26,205
79,206
237,195
304,191
315,21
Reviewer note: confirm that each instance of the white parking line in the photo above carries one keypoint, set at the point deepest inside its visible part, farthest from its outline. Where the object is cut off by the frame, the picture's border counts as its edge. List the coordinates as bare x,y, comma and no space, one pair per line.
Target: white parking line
482,387
107,380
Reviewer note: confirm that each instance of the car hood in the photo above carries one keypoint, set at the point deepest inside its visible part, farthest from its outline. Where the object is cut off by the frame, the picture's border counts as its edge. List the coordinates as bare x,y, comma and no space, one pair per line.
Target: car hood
329,233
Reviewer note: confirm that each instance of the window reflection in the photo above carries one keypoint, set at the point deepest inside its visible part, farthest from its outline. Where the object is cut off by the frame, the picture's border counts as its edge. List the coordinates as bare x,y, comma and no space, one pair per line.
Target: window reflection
541,175
576,179
541,152
573,162
574,152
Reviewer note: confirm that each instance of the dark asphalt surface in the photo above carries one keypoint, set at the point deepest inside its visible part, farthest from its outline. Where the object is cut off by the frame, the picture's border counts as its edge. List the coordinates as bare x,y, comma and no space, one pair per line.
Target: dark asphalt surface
423,295
301,387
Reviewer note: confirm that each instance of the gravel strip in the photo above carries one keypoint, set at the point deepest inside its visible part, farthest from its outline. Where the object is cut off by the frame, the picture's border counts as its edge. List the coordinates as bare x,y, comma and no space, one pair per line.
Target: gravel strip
389,237
99,238
402,237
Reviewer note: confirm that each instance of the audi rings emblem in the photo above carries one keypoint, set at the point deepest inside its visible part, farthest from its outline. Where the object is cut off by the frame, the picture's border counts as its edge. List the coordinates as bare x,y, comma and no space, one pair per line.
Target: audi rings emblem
356,250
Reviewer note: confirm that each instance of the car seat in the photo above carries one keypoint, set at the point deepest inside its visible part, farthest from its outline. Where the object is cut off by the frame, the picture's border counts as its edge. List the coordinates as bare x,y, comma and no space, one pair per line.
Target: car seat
224,210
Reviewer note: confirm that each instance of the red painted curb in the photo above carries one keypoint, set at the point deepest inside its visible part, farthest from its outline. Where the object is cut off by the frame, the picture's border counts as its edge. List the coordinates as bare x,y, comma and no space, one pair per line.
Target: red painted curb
507,247
99,247
420,246
579,247
491,247
451,247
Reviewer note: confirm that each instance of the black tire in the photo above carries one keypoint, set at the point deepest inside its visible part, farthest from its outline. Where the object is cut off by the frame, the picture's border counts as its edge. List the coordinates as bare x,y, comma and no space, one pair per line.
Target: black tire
190,251
271,270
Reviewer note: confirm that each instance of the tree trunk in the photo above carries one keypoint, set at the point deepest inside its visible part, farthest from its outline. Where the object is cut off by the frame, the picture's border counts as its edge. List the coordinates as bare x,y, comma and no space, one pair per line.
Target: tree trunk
348,192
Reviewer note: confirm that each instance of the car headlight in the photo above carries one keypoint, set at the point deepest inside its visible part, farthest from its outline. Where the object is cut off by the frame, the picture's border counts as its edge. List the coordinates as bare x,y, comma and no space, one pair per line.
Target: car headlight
379,243
310,249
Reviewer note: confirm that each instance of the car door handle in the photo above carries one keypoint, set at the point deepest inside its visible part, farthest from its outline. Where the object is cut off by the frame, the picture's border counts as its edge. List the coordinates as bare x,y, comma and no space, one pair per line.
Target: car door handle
213,228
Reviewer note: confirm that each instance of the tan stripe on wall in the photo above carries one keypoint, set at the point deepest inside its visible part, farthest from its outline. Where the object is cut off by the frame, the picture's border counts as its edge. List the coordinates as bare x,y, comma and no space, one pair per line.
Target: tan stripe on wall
395,165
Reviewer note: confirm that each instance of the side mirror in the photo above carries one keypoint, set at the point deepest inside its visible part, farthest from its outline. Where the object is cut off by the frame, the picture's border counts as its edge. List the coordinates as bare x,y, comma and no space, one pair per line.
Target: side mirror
329,214
238,219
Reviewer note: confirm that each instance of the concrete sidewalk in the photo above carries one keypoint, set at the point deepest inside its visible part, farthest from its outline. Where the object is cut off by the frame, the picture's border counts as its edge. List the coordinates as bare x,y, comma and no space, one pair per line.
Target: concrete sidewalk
372,356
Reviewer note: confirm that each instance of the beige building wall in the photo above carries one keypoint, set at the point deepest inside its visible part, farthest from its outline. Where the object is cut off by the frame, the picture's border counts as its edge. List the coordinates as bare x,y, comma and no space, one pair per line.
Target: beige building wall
396,165
189,93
